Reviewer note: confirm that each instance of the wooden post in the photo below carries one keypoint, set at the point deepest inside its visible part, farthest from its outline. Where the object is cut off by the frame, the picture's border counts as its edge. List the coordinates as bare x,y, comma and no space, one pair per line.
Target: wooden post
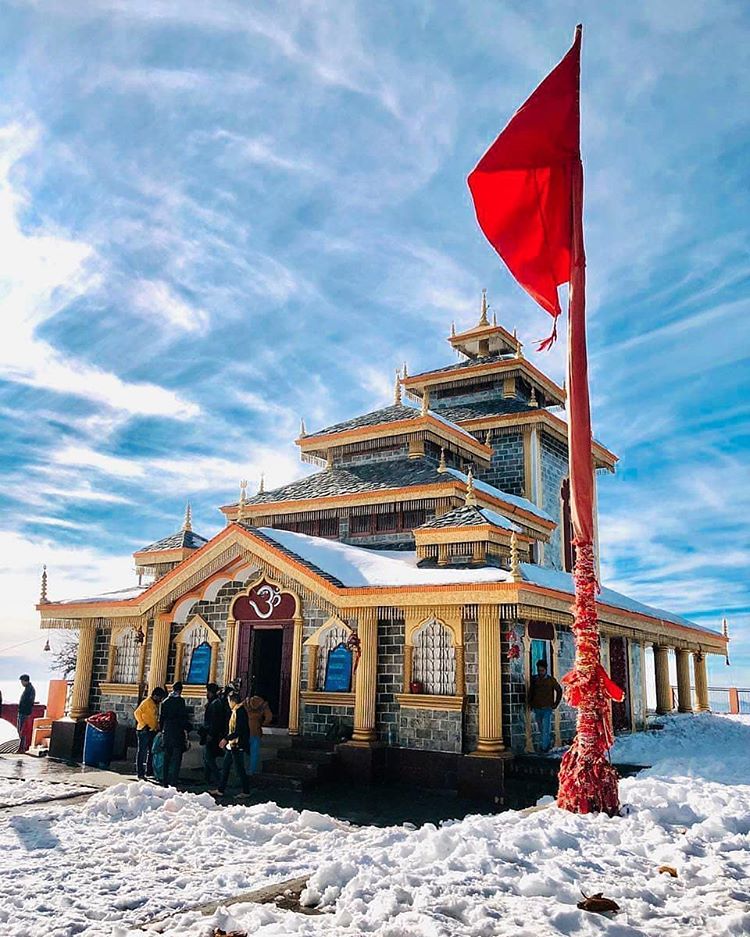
661,676
79,705
684,695
364,690
734,701
296,677
490,741
701,683
157,673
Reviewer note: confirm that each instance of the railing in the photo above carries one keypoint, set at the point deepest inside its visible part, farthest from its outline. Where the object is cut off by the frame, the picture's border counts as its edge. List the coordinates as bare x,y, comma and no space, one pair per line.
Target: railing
723,699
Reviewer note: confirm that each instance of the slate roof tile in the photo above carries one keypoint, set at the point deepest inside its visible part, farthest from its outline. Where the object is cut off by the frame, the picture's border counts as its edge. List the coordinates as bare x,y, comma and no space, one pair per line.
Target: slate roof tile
183,539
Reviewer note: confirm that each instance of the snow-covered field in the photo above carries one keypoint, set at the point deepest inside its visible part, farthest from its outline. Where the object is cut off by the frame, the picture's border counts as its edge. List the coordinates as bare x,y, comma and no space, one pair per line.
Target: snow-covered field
14,792
136,853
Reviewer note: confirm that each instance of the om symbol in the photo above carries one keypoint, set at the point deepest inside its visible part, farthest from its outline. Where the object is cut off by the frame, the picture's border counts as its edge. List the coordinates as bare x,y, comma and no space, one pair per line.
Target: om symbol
271,600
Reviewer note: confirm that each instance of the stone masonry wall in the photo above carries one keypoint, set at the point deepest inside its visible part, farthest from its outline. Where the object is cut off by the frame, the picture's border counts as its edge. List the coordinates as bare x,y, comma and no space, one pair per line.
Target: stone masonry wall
317,719
390,675
507,469
554,456
513,688
566,653
471,680
430,730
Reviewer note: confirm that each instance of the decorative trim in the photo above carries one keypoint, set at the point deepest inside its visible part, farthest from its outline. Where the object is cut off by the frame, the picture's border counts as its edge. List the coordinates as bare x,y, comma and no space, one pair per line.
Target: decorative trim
120,689
323,698
333,622
430,701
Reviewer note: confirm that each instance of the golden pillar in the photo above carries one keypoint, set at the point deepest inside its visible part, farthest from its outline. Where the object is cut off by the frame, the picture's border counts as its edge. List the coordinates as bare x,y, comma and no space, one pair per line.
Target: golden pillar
364,688
701,683
661,676
296,677
408,665
460,670
229,647
79,704
157,672
684,694
490,740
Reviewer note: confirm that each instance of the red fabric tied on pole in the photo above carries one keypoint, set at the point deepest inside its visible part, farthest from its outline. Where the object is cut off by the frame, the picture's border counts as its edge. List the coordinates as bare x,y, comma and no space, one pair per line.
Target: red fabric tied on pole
522,185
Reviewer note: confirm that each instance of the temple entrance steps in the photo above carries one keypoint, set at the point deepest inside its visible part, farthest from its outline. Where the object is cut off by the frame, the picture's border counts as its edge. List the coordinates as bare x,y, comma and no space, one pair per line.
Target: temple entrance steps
300,765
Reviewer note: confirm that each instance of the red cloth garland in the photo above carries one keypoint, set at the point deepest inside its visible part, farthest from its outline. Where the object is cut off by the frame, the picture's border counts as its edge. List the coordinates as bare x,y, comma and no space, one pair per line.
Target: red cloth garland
587,779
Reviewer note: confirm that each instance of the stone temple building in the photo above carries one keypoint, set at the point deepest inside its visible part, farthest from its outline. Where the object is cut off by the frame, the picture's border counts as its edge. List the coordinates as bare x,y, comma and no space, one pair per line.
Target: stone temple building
399,595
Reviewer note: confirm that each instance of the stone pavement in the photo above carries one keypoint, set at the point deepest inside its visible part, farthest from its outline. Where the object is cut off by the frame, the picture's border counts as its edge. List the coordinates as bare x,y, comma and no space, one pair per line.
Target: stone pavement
26,767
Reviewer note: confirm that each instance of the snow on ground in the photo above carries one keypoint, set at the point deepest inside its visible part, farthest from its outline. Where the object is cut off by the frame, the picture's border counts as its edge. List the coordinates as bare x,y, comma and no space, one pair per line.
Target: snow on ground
15,792
134,853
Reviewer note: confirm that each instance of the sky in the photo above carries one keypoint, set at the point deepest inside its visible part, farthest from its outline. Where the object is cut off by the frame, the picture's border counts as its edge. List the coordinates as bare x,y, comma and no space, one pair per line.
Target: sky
218,218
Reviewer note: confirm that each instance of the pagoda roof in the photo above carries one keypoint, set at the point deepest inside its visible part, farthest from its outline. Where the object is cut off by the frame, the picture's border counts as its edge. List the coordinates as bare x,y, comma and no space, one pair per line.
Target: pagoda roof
182,540
393,414
482,408
468,515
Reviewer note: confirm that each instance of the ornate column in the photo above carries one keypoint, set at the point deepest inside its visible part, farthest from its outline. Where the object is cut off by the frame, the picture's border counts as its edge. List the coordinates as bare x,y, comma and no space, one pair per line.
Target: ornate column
79,704
157,672
644,694
490,740
408,664
364,689
296,677
701,683
661,676
460,670
684,695
229,647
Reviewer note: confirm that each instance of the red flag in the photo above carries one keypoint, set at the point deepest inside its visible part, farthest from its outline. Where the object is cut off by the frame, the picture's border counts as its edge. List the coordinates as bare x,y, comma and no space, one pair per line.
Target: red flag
522,185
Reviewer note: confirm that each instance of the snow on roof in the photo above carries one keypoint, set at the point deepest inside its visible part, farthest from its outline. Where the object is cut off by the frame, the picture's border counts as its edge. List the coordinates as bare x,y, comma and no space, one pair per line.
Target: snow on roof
498,520
132,592
522,503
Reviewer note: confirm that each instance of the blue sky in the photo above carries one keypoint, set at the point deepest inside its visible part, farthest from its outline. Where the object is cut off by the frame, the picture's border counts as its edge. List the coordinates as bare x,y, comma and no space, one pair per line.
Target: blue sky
219,217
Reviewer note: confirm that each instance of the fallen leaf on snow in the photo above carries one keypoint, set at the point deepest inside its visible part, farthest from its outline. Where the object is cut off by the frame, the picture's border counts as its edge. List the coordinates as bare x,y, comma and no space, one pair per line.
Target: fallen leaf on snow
670,870
598,904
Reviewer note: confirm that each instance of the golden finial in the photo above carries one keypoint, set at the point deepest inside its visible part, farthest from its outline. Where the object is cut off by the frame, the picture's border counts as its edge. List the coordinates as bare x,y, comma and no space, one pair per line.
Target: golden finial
187,523
471,498
488,438
397,389
494,319
243,499
43,595
262,486
533,402
302,427
453,329
406,371
515,563
725,632
425,401
519,344
442,467
483,317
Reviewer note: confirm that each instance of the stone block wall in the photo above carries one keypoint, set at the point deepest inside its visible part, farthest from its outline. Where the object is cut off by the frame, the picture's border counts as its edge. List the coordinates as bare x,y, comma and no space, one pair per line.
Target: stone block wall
513,688
390,676
430,730
317,719
507,468
471,680
554,456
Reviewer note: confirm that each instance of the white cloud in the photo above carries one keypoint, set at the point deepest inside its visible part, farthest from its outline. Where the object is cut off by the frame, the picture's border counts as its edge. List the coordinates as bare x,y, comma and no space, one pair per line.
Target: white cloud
158,301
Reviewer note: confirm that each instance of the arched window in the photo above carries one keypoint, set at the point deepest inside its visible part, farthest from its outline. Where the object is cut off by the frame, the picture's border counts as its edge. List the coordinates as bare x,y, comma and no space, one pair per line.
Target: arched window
197,648
329,639
125,660
434,659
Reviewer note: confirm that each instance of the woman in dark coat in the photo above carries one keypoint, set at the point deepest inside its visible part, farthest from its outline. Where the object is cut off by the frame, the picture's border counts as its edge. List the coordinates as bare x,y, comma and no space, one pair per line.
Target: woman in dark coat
235,745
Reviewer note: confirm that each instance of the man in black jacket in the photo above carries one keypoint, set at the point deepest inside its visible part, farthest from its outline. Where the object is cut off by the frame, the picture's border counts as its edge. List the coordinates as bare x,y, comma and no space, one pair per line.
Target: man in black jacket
25,706
213,731
174,724
235,744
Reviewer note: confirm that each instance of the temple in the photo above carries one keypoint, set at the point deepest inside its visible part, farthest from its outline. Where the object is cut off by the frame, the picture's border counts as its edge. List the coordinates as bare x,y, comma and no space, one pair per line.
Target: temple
400,595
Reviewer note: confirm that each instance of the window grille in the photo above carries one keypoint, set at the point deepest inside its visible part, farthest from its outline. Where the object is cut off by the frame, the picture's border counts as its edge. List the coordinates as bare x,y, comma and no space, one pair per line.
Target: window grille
127,658
434,660
198,635
335,635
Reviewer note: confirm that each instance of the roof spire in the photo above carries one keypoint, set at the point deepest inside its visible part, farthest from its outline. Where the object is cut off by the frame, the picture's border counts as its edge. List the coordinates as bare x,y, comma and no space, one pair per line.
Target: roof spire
43,595
453,329
471,498
725,632
494,318
406,370
302,427
533,402
483,317
519,344
425,401
243,499
442,467
187,523
515,563
262,486
397,389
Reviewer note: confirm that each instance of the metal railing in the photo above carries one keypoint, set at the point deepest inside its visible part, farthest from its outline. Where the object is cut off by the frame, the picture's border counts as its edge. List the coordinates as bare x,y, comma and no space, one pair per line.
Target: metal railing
722,699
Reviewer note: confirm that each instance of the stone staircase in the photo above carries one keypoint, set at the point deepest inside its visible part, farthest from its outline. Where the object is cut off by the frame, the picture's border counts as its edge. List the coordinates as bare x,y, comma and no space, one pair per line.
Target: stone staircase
301,764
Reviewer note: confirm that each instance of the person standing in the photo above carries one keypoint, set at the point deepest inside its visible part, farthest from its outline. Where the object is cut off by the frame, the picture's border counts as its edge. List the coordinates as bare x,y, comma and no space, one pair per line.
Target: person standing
545,694
146,727
213,731
258,715
25,707
235,745
174,724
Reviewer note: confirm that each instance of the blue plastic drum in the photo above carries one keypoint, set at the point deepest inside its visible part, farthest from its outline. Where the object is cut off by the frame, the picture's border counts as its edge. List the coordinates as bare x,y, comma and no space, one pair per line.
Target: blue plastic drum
98,747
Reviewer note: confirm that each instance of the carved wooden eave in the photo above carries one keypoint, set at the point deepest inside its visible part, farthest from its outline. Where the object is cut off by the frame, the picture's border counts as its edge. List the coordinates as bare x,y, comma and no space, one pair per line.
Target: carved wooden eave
551,423
503,367
490,333
148,558
236,540
451,487
424,426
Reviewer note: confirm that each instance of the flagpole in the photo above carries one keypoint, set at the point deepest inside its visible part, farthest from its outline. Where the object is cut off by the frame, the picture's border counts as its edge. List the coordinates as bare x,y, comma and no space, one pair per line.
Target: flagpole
587,780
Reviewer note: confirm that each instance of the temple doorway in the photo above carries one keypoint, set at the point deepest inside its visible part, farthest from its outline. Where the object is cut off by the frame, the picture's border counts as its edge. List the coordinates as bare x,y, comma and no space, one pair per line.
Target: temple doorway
264,677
